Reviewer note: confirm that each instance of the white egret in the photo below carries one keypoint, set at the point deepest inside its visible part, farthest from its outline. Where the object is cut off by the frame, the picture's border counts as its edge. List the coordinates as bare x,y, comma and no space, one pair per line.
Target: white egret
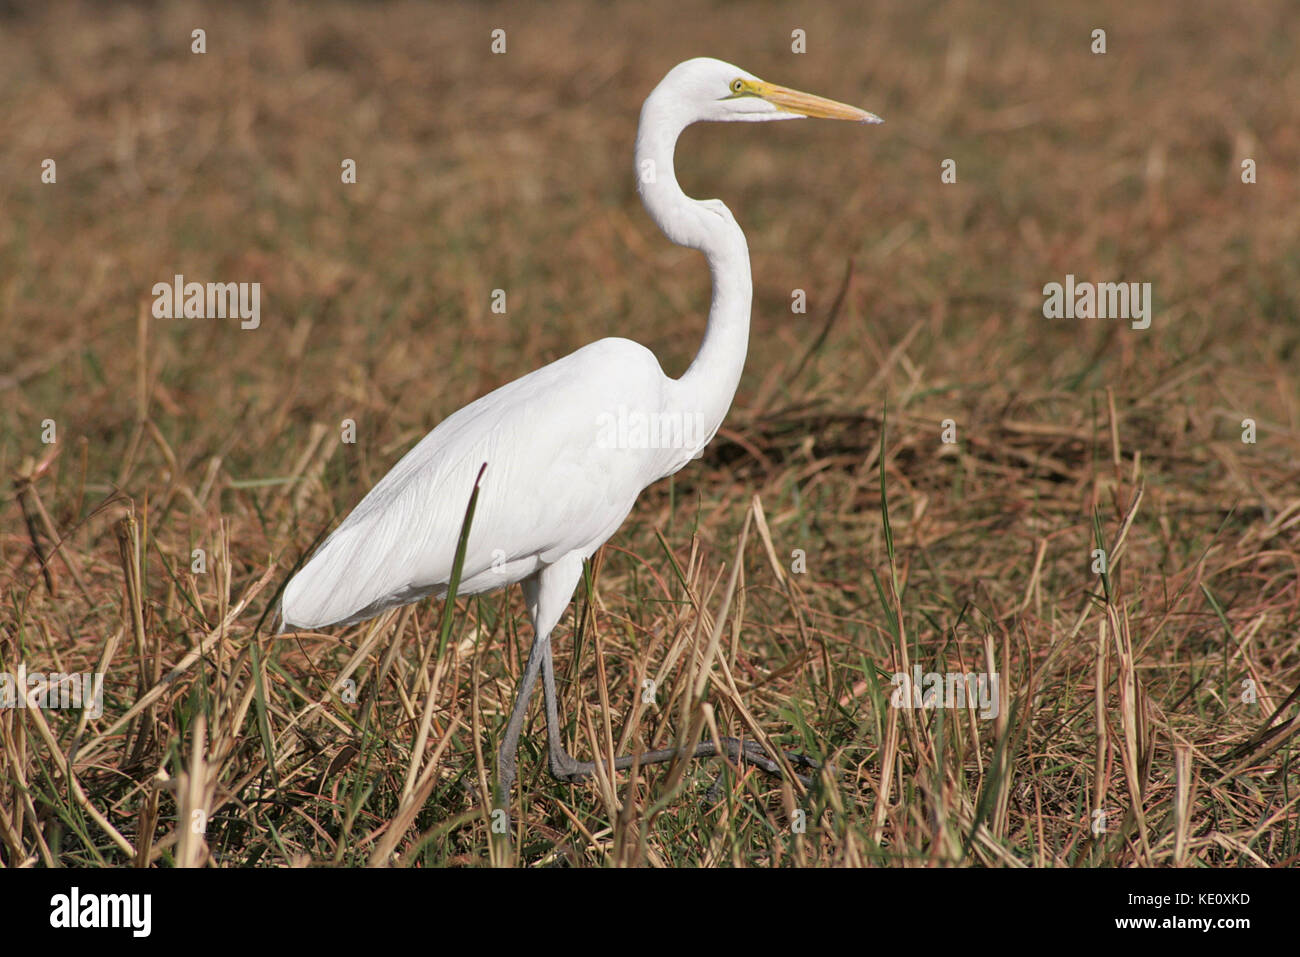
557,484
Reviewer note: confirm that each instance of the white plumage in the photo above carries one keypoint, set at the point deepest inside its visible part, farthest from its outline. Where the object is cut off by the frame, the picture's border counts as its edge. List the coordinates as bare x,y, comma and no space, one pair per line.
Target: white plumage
549,489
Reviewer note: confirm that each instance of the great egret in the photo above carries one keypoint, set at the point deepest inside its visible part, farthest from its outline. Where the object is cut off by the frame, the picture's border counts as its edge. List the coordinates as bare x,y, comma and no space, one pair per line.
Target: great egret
563,467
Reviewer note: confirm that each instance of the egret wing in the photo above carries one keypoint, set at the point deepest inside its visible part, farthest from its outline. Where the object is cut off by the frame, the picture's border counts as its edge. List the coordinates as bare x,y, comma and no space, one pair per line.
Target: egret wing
551,487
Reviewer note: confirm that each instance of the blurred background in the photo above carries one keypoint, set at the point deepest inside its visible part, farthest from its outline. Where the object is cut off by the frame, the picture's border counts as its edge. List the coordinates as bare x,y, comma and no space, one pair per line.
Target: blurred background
477,171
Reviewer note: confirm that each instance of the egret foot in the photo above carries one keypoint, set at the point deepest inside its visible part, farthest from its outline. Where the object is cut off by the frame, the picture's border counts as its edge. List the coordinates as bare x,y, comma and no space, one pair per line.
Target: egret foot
566,768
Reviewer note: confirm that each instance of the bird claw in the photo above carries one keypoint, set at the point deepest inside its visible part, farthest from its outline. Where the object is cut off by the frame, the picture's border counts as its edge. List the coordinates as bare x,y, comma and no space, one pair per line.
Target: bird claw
753,752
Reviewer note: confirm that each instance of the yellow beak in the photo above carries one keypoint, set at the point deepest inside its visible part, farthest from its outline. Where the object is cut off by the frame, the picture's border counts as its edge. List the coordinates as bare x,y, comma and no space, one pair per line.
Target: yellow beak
805,104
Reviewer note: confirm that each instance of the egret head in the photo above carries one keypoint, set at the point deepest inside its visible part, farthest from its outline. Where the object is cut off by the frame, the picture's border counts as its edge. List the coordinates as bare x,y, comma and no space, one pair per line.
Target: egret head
712,90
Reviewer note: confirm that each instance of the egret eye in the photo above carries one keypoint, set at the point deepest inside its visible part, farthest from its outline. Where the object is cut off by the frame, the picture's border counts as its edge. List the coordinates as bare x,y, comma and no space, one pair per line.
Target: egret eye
737,85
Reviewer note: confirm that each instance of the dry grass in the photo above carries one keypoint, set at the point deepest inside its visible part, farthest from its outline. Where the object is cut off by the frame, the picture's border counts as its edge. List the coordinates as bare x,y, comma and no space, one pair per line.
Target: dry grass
1121,694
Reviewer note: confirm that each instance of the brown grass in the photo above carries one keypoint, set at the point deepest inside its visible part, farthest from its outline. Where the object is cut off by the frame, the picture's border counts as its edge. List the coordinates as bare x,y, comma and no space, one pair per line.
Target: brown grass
1122,695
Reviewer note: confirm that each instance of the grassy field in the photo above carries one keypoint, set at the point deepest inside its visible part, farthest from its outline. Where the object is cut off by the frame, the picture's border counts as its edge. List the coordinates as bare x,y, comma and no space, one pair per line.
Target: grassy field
828,539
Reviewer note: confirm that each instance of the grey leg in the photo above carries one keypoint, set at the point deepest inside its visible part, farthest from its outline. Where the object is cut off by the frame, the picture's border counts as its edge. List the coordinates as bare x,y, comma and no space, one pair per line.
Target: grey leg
510,743
547,594
560,760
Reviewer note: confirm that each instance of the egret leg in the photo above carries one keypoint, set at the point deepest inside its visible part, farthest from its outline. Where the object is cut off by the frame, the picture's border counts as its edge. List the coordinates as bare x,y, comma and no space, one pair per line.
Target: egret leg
506,756
546,593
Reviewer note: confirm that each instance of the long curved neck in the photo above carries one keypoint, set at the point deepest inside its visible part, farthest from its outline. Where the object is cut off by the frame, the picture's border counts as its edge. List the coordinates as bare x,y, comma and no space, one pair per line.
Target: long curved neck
708,386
